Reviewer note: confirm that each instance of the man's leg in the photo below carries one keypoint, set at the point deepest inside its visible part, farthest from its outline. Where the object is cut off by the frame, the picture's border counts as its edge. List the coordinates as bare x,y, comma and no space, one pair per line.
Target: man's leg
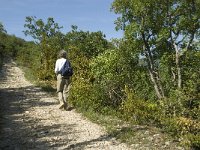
66,93
60,88
60,97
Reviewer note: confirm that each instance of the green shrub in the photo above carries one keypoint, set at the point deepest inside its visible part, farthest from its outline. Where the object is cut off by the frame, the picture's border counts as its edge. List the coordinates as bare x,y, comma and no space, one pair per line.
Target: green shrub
189,131
85,96
192,141
138,110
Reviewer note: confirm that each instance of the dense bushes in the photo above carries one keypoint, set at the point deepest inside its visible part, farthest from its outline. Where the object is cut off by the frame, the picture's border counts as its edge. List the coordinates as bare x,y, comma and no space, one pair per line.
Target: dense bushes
117,81
9,44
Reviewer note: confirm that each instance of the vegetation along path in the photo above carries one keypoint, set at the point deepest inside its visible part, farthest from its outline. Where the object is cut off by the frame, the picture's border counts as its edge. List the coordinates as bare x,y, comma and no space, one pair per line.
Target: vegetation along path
30,119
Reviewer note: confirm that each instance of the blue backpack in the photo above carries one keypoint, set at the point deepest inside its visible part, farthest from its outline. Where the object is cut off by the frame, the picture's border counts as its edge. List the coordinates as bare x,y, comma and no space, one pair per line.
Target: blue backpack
66,70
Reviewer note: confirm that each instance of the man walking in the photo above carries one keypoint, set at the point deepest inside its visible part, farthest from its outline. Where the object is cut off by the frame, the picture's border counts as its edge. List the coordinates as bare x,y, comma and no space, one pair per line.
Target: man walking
63,83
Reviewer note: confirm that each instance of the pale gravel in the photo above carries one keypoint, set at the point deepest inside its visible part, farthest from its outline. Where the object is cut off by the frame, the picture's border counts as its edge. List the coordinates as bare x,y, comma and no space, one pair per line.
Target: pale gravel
30,120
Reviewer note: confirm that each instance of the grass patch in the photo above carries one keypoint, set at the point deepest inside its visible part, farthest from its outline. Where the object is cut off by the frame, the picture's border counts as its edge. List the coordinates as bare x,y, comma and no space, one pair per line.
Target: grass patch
29,74
131,133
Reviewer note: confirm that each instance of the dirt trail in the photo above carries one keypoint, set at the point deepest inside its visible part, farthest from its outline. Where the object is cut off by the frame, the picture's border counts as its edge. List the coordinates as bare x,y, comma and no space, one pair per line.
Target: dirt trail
30,120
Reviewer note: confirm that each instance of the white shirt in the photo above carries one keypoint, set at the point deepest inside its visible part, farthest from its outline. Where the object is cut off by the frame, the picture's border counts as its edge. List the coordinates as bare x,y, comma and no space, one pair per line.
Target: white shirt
59,63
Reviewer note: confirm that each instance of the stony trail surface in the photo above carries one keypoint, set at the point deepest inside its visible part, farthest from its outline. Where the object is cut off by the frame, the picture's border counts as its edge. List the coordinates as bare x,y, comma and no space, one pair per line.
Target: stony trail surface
30,120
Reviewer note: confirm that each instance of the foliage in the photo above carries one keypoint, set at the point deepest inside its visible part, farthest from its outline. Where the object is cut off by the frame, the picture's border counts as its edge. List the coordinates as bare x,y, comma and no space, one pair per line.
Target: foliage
39,30
163,29
138,110
107,72
188,130
29,58
9,44
49,39
2,29
84,94
90,43
2,46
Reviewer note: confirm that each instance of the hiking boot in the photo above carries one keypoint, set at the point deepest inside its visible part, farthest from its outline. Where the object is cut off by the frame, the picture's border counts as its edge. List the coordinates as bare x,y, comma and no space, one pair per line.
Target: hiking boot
60,106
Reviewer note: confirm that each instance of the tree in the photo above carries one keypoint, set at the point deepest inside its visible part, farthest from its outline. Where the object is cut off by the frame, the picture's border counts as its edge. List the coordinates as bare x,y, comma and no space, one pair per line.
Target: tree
39,30
9,44
90,43
2,36
2,29
49,37
159,28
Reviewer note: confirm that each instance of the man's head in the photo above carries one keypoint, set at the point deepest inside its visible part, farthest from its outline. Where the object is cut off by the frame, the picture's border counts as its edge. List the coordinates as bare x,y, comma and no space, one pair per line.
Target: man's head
62,54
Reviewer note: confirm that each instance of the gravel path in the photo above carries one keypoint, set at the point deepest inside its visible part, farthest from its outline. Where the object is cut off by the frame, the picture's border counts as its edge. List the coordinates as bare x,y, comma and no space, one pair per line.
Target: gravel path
30,120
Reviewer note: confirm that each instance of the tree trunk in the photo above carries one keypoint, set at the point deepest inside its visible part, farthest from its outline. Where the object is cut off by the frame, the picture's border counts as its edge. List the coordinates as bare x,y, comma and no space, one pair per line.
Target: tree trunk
154,76
156,86
152,70
178,68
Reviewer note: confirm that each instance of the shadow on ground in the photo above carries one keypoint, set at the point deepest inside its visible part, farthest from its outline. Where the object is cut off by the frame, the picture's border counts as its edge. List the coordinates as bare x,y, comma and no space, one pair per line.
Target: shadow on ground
21,131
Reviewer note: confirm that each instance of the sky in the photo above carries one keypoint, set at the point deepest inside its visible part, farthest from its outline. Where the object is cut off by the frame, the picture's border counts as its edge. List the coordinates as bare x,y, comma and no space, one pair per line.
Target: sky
88,15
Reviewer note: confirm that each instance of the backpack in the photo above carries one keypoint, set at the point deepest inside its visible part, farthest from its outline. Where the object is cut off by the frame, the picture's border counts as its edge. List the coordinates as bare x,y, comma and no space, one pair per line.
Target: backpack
66,70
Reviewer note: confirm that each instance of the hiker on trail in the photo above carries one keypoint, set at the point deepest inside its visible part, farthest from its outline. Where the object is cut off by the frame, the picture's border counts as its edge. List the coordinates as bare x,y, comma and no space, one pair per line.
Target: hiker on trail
63,82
